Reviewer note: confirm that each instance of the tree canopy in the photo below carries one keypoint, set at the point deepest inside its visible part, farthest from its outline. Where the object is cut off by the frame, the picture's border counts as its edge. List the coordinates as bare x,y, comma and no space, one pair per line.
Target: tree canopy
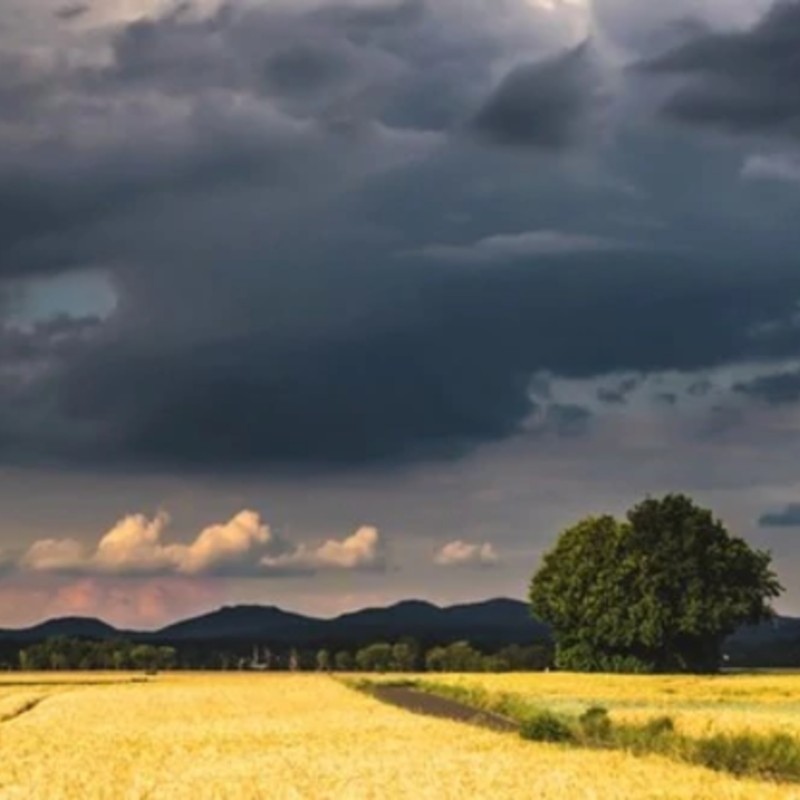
657,592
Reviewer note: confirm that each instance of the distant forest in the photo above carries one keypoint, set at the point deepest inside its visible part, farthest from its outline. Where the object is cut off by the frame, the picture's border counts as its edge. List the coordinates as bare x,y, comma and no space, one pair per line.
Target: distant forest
406,655
750,649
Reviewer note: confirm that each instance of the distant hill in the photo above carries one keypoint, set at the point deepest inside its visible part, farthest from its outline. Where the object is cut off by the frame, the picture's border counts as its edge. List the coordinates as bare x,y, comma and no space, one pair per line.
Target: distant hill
240,622
779,629
771,644
75,627
490,623
493,622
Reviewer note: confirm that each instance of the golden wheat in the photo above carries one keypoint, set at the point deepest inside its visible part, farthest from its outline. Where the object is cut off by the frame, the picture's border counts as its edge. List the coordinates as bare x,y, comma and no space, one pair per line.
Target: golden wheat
699,705
273,737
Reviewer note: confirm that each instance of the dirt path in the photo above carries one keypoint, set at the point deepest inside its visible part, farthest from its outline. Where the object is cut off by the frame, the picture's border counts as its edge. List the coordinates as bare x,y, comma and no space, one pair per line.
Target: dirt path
434,706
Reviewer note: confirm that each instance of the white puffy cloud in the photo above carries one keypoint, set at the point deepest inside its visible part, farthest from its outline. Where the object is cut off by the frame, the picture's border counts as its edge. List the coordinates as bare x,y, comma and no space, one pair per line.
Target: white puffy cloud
134,545
54,555
459,553
362,550
224,545
244,545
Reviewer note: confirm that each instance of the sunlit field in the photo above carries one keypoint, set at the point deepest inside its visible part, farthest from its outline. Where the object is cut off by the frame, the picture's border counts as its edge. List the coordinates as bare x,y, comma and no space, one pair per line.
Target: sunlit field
282,736
20,692
698,705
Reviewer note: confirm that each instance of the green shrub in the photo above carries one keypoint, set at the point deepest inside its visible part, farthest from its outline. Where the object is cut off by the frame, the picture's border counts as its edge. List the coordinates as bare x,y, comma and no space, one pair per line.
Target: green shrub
627,664
595,725
583,658
545,726
658,736
659,726
769,756
655,736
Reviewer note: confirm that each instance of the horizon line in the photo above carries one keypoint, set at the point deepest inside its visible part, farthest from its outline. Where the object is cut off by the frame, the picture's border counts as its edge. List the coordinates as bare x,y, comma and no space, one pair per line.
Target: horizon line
215,609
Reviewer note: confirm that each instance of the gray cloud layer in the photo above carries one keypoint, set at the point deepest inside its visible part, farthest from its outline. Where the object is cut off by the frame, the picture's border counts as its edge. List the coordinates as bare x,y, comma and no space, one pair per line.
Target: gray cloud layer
541,105
787,517
271,188
745,82
780,388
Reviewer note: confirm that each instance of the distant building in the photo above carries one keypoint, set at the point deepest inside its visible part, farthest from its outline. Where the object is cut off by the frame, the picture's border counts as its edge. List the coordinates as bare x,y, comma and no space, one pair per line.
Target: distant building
257,662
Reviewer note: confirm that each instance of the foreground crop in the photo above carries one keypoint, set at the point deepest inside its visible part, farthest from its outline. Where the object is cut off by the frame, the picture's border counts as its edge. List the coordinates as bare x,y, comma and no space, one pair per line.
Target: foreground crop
758,750
278,737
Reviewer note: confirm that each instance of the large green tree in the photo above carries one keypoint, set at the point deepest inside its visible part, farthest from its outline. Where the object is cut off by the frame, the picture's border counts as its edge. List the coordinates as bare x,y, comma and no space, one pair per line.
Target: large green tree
658,592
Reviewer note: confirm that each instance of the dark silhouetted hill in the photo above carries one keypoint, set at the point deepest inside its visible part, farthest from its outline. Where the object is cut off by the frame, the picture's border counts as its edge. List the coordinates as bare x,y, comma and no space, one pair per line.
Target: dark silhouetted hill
492,622
488,624
74,627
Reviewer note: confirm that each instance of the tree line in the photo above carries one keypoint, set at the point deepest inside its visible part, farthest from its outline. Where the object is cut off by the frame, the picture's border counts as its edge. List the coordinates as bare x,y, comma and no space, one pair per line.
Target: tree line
406,655
66,653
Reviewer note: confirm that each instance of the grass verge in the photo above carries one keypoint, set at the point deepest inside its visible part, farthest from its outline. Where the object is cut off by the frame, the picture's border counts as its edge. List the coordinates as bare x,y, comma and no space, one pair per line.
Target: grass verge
769,756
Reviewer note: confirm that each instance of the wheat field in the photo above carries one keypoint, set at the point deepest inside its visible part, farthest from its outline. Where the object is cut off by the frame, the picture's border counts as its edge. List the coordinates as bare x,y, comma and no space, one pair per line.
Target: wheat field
699,705
276,737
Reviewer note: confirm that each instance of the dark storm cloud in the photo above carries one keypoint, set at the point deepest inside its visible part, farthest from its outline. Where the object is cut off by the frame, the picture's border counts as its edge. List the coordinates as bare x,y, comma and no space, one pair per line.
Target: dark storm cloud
617,395
393,394
447,368
742,82
72,11
47,207
541,105
56,337
24,83
267,92
610,396
278,109
301,69
249,180
668,398
380,62
787,517
700,388
781,388
31,429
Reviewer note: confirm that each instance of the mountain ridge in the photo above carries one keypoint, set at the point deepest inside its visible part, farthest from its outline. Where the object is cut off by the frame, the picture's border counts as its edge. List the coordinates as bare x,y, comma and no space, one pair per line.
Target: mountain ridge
492,622
495,618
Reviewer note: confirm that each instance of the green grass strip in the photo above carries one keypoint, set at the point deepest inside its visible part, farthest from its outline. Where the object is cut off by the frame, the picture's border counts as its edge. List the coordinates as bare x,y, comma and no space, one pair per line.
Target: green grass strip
768,756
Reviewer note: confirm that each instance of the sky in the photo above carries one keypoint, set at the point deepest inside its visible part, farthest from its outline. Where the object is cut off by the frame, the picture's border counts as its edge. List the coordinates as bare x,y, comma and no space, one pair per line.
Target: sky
329,303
